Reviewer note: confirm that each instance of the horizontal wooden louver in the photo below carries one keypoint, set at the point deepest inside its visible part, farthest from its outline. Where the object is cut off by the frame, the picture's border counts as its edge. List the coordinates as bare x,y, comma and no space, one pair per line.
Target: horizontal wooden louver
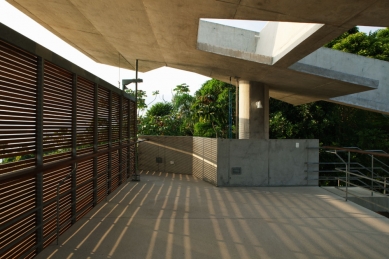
125,121
114,171
28,199
50,184
103,118
18,89
102,177
133,121
115,118
124,163
57,113
17,216
84,181
85,116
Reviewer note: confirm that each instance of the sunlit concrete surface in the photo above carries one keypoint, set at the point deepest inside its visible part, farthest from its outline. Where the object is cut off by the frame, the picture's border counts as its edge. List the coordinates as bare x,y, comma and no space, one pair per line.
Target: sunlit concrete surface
179,216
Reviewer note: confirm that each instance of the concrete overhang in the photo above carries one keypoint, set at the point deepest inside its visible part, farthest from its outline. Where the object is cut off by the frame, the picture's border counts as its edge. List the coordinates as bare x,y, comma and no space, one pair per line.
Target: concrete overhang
165,33
268,46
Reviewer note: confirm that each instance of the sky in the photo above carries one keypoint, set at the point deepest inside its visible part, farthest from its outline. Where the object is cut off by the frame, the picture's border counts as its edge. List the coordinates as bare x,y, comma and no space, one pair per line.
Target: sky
163,79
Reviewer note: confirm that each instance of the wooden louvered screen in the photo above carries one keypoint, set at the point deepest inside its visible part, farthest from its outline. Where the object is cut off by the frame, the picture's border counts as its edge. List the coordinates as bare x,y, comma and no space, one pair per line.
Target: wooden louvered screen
103,118
115,118
102,177
18,80
84,178
56,124
133,120
17,216
57,113
85,116
50,182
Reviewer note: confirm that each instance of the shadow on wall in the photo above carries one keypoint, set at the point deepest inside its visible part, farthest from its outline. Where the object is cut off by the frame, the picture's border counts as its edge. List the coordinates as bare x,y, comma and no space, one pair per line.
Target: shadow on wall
183,155
233,162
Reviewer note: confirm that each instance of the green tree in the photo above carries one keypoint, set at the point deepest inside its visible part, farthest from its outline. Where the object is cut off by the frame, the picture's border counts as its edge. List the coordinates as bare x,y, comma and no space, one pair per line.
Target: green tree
336,124
210,109
160,109
182,102
373,45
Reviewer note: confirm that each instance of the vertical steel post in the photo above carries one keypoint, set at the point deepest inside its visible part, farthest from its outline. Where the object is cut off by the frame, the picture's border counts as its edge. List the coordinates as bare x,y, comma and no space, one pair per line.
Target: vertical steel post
74,150
95,136
372,173
39,155
384,185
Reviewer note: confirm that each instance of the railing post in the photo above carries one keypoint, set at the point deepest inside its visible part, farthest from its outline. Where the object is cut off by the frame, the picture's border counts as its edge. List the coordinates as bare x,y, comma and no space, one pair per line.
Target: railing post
372,173
39,155
95,136
385,185
74,151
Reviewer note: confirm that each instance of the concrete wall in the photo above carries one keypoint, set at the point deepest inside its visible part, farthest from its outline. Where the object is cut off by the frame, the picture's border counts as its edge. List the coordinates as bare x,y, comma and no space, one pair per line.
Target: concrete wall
372,203
267,162
353,69
275,162
279,38
181,155
176,154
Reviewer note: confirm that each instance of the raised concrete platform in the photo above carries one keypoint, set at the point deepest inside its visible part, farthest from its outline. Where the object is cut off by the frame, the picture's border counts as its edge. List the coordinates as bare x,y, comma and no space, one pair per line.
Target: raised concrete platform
179,216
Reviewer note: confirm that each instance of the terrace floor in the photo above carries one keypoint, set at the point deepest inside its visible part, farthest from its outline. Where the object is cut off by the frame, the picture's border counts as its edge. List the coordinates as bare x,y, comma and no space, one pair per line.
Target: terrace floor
179,216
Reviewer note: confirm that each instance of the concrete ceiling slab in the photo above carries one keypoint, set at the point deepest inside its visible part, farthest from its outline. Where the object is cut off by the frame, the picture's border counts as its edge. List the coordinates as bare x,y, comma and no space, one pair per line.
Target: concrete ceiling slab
164,32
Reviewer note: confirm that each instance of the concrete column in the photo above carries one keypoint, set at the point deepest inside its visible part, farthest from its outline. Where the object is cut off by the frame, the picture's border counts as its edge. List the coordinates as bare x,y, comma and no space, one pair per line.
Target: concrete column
253,121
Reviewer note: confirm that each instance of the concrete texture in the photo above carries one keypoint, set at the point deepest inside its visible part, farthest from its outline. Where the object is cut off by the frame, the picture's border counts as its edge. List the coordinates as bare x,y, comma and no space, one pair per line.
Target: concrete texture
268,162
184,155
165,33
253,121
361,196
179,216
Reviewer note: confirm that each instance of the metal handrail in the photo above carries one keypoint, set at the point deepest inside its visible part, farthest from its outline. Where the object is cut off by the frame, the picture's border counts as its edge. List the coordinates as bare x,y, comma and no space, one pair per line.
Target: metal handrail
367,178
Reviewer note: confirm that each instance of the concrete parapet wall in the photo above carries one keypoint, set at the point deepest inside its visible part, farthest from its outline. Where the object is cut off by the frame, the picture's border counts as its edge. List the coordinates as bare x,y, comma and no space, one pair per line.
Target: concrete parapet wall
182,155
276,162
273,162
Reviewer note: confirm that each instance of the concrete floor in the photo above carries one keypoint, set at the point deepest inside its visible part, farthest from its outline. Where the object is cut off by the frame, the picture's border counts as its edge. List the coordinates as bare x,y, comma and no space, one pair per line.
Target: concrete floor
179,216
